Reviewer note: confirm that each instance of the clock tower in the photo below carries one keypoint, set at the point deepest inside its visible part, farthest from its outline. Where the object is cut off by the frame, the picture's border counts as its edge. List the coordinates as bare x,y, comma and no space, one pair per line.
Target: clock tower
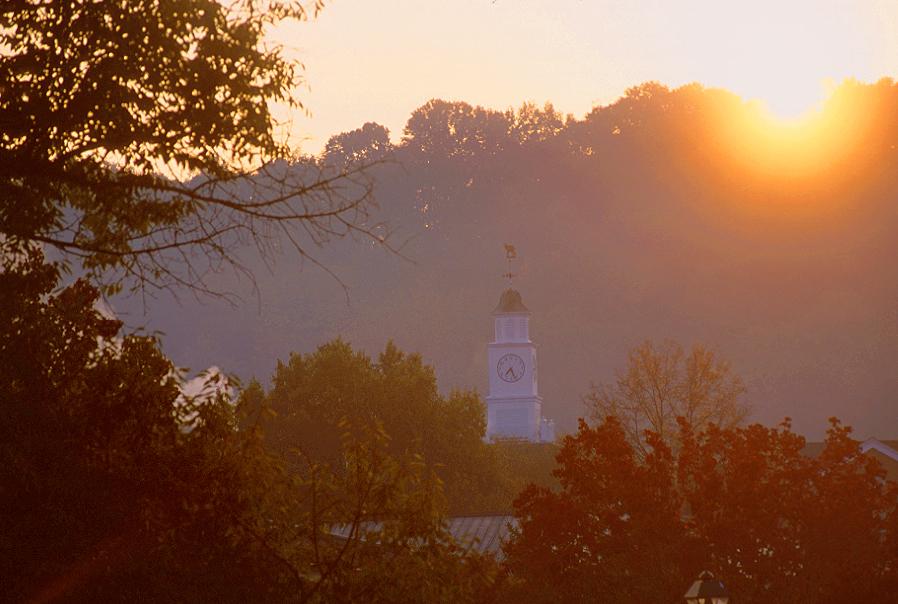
514,406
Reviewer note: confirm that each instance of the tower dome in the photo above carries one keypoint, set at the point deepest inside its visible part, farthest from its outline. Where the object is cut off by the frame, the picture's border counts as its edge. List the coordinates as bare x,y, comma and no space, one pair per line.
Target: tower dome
510,302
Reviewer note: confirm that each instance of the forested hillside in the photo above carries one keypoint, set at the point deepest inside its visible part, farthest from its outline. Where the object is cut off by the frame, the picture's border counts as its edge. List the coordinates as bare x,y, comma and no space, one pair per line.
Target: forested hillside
680,214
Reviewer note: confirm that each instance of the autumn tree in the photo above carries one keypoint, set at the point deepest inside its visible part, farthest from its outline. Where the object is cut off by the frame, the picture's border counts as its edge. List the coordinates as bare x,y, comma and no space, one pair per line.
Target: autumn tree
774,524
611,533
136,139
663,383
780,526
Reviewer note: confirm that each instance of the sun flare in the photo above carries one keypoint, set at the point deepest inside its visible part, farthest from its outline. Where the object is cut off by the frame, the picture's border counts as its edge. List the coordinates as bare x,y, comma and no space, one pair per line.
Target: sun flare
803,152
792,104
788,92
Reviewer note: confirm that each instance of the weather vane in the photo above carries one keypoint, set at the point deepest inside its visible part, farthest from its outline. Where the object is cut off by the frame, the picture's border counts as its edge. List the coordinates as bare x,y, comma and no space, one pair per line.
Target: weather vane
510,254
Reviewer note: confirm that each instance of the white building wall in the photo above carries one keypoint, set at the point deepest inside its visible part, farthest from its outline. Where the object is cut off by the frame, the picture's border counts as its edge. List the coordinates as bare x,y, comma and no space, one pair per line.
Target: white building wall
510,418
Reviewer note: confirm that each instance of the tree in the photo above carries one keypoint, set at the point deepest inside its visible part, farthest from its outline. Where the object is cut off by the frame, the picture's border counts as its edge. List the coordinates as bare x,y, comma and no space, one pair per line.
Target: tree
106,488
526,463
747,503
455,130
109,107
661,384
115,487
313,395
611,533
367,144
783,527
532,124
376,523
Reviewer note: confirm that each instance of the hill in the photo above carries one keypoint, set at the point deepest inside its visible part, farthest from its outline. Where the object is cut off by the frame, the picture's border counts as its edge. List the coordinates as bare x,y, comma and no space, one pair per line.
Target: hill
680,214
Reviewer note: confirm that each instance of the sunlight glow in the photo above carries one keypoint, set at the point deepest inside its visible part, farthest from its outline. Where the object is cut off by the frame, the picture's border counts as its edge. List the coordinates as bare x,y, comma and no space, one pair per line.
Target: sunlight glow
792,102
798,158
374,61
782,149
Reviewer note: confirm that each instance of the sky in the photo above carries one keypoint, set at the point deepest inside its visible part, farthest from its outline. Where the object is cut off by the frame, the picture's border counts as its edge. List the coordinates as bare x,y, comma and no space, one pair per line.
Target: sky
373,60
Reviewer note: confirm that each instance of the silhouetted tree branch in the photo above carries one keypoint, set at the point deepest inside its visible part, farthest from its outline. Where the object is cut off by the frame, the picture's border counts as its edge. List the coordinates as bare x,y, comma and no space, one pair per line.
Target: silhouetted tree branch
136,140
663,383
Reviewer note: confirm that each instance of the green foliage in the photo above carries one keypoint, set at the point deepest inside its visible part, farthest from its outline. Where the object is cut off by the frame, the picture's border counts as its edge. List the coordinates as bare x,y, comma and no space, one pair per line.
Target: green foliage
391,546
524,463
315,397
114,486
108,106
773,524
106,492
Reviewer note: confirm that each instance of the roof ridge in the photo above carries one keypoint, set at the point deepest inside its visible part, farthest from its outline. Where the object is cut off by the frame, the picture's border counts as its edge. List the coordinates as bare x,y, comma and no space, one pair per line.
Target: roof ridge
879,446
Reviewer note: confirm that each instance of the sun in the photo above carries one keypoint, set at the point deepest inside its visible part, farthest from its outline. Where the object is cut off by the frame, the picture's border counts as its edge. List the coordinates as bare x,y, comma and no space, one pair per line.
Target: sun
796,142
790,91
789,101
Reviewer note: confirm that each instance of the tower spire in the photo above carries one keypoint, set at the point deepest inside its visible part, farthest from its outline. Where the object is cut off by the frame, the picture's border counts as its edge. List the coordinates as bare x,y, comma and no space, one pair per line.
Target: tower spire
510,254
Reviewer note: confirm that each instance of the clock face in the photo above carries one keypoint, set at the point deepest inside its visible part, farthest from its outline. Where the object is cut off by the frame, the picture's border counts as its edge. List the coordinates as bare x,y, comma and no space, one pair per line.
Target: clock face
510,368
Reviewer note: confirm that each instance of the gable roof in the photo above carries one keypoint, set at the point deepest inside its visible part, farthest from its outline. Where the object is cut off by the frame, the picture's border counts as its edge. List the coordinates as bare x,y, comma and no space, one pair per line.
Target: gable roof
889,448
886,451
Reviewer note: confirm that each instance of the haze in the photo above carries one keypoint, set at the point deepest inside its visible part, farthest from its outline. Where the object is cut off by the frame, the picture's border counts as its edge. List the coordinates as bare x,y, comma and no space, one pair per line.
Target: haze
514,301
670,213
377,61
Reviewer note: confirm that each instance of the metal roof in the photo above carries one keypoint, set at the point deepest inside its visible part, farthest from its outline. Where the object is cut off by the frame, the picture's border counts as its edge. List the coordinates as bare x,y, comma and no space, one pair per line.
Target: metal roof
483,534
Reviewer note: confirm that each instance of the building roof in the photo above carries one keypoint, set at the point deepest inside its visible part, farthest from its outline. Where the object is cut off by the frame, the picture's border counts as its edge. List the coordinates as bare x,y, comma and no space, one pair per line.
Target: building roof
482,534
886,451
510,301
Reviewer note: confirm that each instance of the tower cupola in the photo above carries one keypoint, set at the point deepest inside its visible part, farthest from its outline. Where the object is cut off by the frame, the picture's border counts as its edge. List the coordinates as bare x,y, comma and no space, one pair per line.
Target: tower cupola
514,406
511,318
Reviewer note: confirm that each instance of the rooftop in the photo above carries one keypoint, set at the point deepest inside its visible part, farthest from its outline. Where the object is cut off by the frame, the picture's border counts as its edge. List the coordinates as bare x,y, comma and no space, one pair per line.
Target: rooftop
886,451
509,302
484,534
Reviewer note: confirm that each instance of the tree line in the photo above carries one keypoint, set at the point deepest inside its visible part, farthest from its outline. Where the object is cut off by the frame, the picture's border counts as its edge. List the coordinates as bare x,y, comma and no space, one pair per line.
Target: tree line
774,524
655,216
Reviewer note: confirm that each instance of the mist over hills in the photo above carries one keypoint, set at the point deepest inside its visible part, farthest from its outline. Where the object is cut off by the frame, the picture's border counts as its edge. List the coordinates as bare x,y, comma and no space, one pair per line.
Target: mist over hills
654,217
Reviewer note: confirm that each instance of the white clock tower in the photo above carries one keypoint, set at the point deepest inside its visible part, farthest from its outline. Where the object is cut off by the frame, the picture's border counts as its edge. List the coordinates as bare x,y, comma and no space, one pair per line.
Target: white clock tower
514,406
